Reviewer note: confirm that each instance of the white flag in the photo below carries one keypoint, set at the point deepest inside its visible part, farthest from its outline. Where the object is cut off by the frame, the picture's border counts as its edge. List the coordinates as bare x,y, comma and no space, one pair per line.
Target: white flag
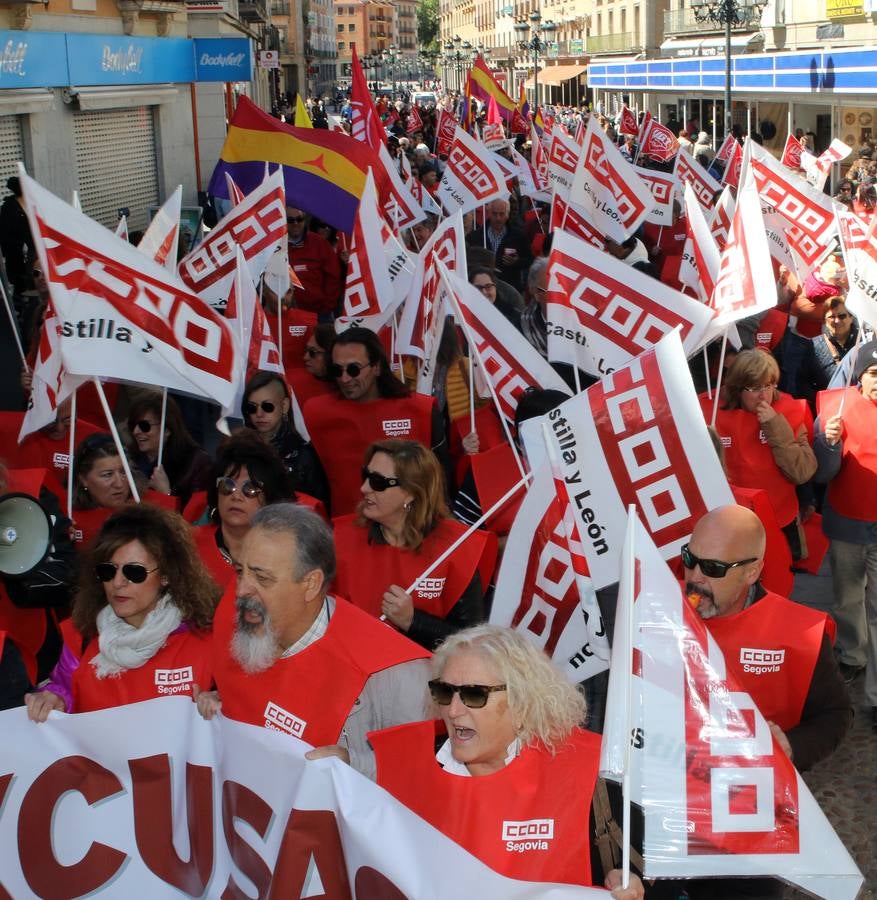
162,235
471,178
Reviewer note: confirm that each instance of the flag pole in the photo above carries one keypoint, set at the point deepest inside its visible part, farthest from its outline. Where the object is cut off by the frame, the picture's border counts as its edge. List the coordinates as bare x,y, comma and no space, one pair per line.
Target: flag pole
471,394
116,439
628,704
162,421
13,325
719,378
473,527
706,372
72,452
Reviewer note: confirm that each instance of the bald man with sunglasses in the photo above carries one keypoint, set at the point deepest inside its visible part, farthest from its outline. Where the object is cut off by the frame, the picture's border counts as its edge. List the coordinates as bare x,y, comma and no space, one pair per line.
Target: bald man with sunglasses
777,650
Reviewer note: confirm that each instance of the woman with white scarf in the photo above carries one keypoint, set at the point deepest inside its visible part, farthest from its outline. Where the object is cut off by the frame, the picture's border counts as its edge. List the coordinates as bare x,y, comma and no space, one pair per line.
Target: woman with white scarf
145,603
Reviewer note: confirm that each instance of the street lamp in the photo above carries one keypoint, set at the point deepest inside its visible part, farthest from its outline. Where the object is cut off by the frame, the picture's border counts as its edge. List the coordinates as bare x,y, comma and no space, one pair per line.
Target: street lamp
535,43
456,58
728,13
389,56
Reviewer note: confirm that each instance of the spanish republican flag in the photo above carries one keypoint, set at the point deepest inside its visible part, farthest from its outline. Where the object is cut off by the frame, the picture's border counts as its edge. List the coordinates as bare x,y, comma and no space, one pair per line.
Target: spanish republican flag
324,171
483,85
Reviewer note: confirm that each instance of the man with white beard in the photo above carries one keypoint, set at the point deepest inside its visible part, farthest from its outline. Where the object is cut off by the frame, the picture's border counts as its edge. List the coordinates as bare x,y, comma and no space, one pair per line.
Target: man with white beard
290,657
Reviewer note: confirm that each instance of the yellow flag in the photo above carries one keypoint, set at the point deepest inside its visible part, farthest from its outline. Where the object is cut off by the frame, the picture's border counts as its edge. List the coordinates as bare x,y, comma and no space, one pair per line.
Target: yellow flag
302,119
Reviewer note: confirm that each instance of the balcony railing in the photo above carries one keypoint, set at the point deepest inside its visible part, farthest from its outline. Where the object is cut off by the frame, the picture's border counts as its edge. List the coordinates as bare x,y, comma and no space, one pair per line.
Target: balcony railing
610,43
253,11
682,21
280,8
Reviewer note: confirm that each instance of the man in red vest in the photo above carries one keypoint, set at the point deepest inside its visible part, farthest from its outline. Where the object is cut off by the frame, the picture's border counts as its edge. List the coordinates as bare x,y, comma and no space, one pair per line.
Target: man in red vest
291,658
778,651
315,263
847,456
371,405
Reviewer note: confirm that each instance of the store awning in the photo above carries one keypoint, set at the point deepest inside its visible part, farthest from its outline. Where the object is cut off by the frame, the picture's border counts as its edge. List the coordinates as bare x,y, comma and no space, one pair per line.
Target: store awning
681,47
740,43
556,75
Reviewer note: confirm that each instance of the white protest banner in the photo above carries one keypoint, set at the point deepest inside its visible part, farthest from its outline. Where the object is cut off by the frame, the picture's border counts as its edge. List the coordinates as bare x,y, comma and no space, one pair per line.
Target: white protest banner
379,268
102,804
703,247
564,155
257,224
162,235
511,362
859,246
638,436
663,189
471,178
400,209
809,213
619,199
700,746
703,184
575,220
542,591
601,312
121,314
723,214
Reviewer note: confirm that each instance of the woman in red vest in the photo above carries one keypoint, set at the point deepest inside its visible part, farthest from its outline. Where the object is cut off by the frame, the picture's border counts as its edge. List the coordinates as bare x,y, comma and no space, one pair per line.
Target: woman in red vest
514,782
401,528
141,618
766,435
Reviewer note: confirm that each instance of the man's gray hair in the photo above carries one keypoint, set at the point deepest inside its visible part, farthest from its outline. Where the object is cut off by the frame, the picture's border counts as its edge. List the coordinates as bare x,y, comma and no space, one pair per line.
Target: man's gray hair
314,545
537,267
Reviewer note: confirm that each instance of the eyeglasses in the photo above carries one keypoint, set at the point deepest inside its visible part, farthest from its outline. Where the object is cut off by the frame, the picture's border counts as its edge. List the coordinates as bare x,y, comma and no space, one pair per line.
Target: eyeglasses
295,220
712,568
312,352
761,389
378,482
839,317
474,696
136,573
227,486
487,286
143,425
352,369
251,408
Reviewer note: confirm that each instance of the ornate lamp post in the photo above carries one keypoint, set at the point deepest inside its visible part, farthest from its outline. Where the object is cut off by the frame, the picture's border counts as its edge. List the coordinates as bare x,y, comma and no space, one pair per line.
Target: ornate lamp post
728,13
535,44
456,58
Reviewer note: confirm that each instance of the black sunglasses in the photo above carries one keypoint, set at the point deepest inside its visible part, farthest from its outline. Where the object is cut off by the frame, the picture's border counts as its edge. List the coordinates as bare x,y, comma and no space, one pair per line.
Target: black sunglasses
136,573
474,696
294,220
314,351
227,486
712,568
143,425
376,481
352,369
267,406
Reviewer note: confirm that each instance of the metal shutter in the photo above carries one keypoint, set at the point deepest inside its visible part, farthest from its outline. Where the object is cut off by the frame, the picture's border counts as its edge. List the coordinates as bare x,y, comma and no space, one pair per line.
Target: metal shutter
115,163
11,149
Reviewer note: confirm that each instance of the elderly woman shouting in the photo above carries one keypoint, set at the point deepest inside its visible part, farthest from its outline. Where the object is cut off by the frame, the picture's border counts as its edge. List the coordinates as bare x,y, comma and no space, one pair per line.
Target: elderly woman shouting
514,753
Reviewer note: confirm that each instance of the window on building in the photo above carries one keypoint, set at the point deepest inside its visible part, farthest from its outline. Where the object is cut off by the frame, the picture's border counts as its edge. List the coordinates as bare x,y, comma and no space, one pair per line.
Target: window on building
599,24
636,38
351,27
340,45
610,23
340,28
623,21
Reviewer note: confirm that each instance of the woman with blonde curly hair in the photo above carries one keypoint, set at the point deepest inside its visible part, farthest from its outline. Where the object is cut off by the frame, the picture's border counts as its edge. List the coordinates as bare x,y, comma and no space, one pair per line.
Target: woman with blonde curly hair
767,436
516,773
145,604
401,527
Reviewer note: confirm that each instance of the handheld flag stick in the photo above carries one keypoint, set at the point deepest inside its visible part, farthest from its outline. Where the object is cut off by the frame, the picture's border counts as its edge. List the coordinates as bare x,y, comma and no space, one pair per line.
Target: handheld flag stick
484,224
536,213
116,439
473,527
719,379
577,378
706,372
72,451
628,710
13,325
471,394
161,426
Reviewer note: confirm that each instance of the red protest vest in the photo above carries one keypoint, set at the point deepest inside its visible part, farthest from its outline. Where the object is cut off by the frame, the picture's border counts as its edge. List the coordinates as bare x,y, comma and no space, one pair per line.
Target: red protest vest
342,430
184,660
777,573
365,571
295,328
529,820
749,458
304,386
771,648
853,491
38,449
771,329
496,472
216,564
490,433
309,695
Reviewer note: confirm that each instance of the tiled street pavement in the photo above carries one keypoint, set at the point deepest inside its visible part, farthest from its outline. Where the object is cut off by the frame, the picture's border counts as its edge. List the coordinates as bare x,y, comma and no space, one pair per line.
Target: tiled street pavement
845,785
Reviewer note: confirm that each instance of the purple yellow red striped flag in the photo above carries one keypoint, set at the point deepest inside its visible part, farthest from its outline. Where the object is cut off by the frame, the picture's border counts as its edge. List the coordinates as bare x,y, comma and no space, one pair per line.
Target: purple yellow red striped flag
483,85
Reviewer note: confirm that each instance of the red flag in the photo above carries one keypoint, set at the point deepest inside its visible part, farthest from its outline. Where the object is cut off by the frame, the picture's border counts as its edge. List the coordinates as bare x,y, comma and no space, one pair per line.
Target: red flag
731,175
579,137
445,131
415,123
727,148
658,142
521,116
365,124
643,125
628,122
792,153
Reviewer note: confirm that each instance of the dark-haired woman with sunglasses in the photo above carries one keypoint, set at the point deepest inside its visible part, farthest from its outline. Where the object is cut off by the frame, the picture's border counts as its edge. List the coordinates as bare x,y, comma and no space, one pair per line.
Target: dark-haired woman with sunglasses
266,409
401,528
515,753
145,604
309,376
185,467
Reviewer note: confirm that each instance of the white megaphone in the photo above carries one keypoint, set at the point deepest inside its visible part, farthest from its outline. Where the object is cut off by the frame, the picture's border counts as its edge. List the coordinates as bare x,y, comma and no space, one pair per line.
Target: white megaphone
25,534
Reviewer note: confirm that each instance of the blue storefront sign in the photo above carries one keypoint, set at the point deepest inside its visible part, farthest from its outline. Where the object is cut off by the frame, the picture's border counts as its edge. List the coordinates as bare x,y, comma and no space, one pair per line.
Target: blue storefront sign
32,59
35,59
838,72
223,59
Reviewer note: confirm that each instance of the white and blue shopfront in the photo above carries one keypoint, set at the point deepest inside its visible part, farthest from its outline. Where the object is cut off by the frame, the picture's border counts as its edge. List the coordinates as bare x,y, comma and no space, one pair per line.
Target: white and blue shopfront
832,93
120,119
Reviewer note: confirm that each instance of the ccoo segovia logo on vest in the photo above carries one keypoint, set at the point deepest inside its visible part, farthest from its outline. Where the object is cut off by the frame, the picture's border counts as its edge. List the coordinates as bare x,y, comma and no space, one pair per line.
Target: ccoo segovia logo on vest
396,427
529,834
174,681
758,661
279,719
